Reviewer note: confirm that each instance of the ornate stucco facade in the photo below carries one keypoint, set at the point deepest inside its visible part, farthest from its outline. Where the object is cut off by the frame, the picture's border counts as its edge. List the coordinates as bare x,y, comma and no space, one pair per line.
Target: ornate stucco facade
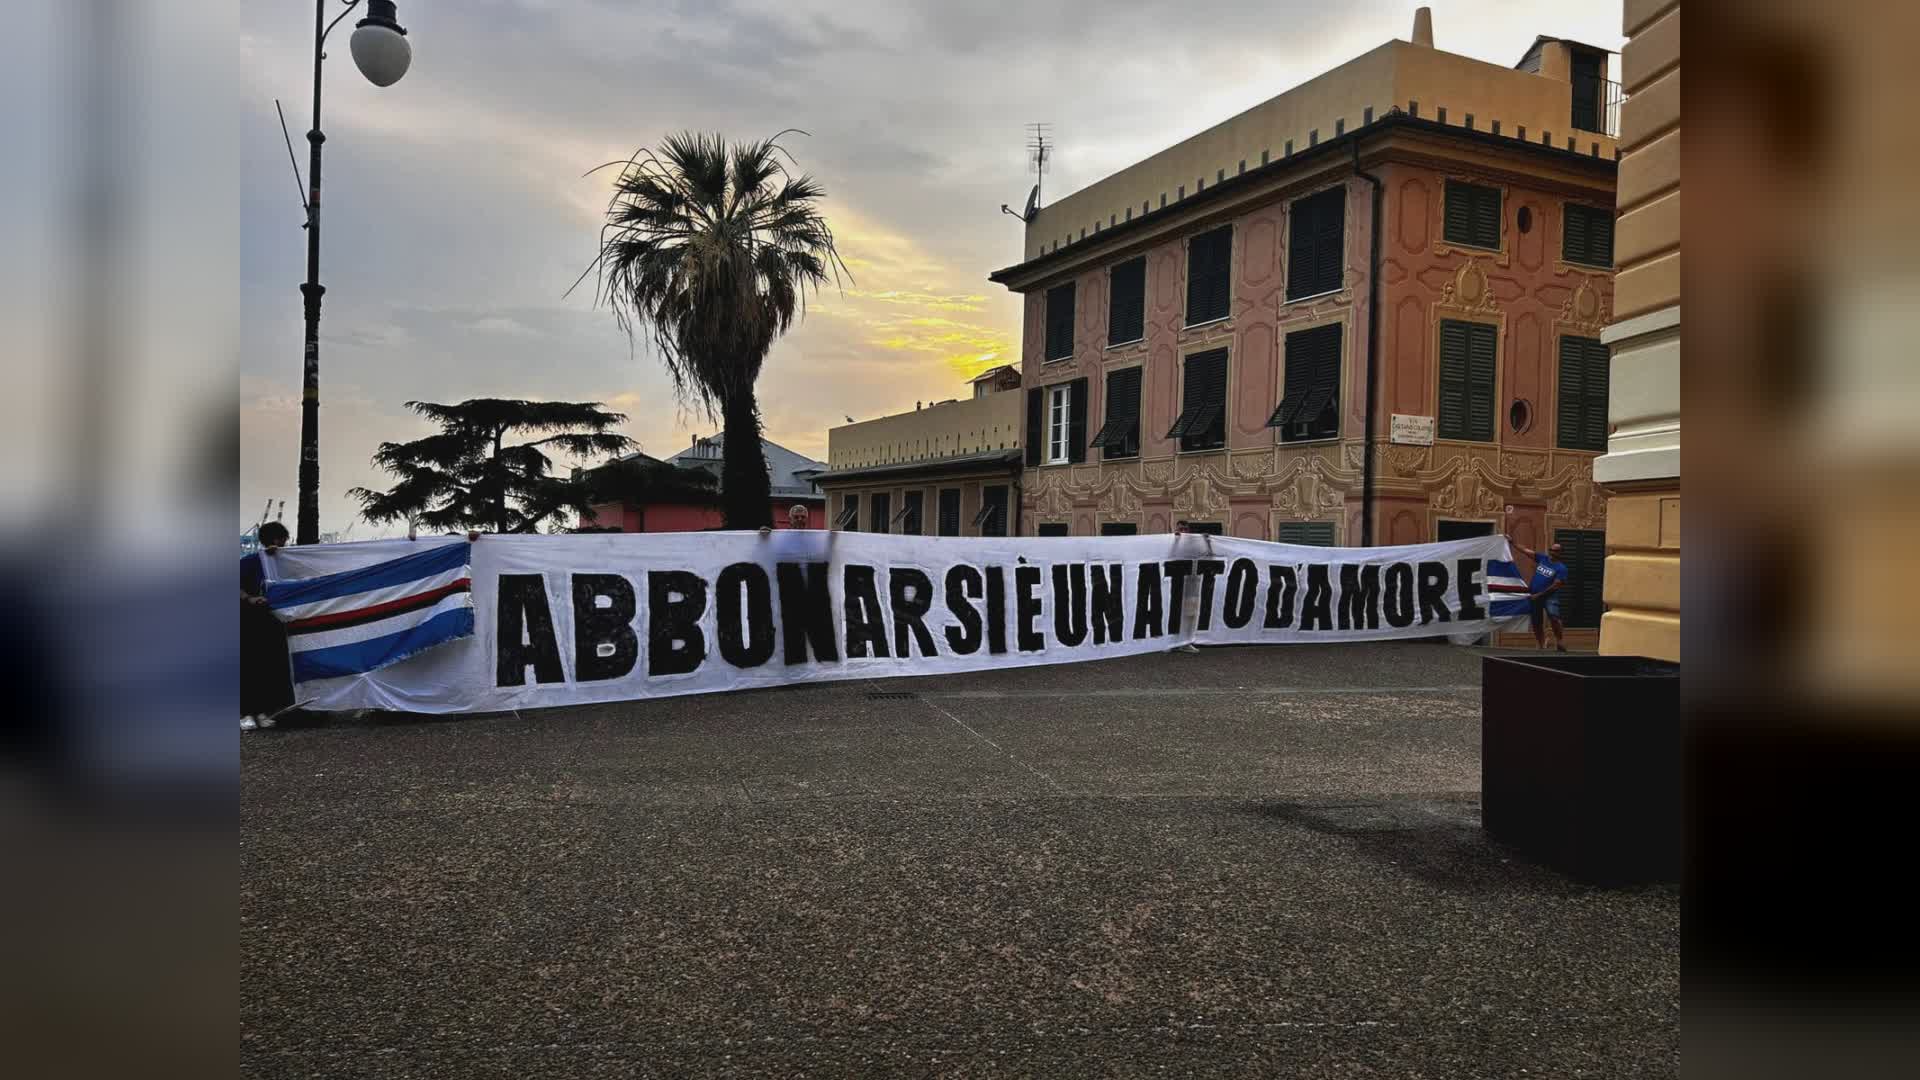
1258,485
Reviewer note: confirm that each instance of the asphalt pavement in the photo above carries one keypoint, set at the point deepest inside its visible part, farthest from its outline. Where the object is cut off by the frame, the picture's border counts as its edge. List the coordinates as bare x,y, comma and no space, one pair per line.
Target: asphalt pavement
1248,862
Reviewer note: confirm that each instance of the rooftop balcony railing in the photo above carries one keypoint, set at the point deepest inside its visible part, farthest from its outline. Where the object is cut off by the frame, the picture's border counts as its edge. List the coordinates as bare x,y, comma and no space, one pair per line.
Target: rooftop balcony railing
1596,105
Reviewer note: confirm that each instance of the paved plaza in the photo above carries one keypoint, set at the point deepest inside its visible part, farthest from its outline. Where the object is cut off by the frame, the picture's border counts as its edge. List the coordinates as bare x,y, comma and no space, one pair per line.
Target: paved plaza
1253,862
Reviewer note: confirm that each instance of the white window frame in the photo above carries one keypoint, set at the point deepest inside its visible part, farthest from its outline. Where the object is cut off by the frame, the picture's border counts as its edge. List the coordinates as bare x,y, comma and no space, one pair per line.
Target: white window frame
1059,423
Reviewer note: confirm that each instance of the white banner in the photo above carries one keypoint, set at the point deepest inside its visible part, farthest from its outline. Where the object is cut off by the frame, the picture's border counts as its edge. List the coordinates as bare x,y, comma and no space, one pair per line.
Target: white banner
563,620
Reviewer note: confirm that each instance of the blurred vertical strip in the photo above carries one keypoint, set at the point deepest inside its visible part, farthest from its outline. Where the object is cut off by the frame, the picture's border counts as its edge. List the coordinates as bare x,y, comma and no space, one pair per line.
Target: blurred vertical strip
118,312
1802,393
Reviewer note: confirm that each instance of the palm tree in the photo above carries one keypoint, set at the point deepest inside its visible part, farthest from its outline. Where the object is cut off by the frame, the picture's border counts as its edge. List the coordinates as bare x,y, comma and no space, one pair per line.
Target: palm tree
467,476
710,249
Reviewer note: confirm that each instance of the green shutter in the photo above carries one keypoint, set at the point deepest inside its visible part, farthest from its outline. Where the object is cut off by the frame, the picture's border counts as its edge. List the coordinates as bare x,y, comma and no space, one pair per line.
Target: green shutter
1315,245
1036,404
1060,322
1483,373
1077,421
1469,375
1582,395
1120,437
1595,428
1471,215
1209,275
1582,599
1589,236
1313,533
1458,214
1453,380
1576,244
1572,396
1126,306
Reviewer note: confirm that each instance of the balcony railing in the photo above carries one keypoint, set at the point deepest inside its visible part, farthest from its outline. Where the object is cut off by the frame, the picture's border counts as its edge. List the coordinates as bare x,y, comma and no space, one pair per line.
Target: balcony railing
1596,105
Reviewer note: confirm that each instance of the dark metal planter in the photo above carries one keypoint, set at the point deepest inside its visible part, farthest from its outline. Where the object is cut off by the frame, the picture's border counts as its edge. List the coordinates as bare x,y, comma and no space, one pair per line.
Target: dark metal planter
1580,763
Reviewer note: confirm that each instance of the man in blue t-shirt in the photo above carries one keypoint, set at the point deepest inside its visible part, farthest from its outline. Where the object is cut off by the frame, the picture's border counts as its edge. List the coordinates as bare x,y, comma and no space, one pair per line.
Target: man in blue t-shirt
1549,577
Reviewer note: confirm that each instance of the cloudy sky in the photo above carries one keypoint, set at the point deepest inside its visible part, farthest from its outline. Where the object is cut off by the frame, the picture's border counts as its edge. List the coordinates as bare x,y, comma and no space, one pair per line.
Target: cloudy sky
456,212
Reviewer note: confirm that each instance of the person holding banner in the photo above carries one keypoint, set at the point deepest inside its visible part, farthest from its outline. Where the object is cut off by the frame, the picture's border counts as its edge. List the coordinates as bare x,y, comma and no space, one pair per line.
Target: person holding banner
796,519
1549,577
1190,599
266,677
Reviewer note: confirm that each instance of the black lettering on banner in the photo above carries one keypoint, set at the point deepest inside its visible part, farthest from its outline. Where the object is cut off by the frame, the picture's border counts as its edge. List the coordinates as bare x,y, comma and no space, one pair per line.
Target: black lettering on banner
744,644
1146,603
1282,585
1109,616
1359,597
675,601
963,587
806,611
1433,593
1467,570
1242,581
866,629
1177,571
1316,613
1399,595
523,612
604,644
1208,569
996,609
1070,603
911,593
1026,599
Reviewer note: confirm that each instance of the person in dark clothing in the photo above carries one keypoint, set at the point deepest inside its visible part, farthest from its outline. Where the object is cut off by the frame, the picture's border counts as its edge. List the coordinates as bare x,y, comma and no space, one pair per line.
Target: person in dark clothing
266,672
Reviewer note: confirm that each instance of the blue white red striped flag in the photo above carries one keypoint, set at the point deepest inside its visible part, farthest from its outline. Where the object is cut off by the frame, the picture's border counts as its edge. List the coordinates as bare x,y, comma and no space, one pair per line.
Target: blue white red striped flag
1507,591
364,619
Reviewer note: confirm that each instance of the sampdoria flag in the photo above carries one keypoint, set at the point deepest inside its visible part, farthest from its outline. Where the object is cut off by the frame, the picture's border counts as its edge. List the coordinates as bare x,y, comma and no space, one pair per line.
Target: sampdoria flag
1507,592
364,619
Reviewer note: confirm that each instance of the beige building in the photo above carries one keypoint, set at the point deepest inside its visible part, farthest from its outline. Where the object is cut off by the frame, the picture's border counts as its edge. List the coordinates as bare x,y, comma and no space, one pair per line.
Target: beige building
951,468
1367,311
1641,469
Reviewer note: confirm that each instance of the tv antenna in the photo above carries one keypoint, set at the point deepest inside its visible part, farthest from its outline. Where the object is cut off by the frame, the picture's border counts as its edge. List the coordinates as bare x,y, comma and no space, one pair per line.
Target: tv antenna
1039,159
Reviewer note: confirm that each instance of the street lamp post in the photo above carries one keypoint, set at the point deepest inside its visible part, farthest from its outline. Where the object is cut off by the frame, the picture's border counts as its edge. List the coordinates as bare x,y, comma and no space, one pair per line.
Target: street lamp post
380,50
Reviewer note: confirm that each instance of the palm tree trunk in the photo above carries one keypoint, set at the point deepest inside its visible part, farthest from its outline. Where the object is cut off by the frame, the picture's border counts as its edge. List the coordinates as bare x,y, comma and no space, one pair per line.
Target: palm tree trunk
745,491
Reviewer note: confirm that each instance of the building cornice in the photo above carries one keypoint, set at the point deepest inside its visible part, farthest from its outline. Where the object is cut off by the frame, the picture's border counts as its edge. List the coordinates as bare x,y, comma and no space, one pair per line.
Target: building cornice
1434,142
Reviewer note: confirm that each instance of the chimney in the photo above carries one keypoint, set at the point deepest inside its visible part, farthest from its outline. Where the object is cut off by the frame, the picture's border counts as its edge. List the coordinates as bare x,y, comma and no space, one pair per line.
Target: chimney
1423,26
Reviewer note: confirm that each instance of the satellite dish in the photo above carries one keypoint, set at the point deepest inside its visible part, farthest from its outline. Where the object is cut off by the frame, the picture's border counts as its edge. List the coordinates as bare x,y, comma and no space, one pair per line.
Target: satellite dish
1033,204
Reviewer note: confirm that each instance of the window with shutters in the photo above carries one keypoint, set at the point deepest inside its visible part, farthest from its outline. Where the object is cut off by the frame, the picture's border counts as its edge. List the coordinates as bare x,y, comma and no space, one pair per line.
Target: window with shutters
1472,215
909,516
1127,302
1584,551
1461,530
1310,399
1210,276
1202,424
1059,418
1119,528
1119,435
949,522
1060,322
1468,372
849,513
1056,529
1205,528
1310,533
992,518
1316,244
1582,400
1588,238
880,512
